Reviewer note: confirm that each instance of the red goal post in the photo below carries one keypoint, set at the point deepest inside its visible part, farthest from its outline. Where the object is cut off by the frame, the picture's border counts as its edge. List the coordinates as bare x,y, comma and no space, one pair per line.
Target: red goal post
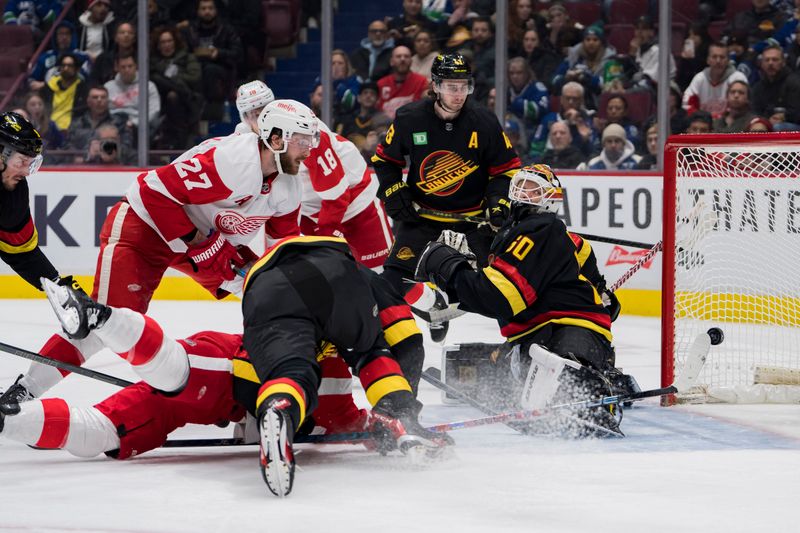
742,274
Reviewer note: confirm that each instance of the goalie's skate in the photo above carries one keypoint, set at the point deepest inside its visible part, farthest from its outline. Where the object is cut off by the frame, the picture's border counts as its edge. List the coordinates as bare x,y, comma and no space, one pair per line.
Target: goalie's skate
77,313
276,454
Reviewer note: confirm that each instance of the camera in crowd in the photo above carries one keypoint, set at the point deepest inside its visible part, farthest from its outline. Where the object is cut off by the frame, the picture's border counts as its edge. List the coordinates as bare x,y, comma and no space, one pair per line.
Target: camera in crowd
109,147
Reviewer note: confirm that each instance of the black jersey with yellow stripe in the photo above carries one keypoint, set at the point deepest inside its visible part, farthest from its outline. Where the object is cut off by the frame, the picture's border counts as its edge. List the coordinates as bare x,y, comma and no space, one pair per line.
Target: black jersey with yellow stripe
535,278
19,240
450,162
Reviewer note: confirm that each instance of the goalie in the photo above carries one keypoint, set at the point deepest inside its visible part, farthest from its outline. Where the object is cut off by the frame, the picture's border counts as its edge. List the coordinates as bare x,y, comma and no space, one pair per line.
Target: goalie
543,287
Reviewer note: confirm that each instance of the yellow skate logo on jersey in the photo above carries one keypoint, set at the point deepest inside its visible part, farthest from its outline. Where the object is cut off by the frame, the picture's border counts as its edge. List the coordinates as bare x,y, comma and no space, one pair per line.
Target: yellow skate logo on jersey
443,172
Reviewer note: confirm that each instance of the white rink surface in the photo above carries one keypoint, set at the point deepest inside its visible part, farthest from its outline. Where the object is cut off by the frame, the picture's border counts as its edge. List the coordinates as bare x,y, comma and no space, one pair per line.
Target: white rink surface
711,469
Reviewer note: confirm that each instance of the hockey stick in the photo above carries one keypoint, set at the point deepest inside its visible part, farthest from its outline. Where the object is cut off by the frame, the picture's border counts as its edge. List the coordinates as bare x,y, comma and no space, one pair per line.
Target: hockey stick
61,365
355,437
701,225
687,379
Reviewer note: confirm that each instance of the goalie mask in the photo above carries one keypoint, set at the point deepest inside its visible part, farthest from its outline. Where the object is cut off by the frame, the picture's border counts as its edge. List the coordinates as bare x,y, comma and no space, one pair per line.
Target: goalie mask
535,188
292,122
252,96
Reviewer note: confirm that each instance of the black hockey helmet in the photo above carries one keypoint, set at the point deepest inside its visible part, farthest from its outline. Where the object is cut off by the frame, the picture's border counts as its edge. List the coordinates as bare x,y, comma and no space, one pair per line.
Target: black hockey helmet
18,135
450,67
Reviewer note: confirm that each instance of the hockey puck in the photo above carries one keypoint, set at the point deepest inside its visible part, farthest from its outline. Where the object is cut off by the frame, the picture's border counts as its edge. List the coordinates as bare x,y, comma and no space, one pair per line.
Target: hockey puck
716,336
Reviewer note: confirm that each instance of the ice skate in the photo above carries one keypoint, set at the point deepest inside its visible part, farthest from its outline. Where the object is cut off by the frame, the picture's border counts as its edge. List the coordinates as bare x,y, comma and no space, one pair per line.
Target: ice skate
16,394
276,455
397,428
77,313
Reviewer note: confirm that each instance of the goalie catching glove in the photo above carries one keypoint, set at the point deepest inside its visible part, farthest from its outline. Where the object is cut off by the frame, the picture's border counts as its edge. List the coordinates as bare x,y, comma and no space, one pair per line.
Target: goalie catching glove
215,255
399,203
458,241
439,264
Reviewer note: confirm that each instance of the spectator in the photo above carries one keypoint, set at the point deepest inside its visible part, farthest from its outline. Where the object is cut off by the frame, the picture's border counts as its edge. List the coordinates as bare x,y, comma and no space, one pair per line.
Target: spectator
126,10
759,22
528,98
618,153
37,14
521,18
158,15
694,54
345,85
644,49
176,73
562,33
106,148
743,57
759,124
219,49
777,94
401,86
64,91
585,64
542,59
64,40
515,131
574,113
454,28
678,118
123,94
371,59
315,100
708,88
560,152
97,113
96,22
649,161
617,113
404,27
357,128
245,17
700,122
424,53
124,44
737,114
480,52
39,116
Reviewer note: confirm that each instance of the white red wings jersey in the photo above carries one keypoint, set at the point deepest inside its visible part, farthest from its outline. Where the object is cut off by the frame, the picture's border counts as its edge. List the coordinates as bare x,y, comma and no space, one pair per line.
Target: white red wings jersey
217,185
336,182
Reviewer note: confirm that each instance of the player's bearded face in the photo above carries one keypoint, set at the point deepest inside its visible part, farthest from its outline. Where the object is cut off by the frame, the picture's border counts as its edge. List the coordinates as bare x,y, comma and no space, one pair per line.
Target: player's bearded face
297,150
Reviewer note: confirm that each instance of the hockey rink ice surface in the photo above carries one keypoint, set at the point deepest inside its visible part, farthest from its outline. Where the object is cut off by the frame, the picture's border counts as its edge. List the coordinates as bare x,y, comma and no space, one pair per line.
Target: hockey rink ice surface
717,468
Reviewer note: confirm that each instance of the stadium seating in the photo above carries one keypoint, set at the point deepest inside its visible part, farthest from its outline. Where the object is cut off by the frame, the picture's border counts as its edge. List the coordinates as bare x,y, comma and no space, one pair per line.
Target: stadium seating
685,11
16,42
626,11
10,69
732,7
587,13
281,22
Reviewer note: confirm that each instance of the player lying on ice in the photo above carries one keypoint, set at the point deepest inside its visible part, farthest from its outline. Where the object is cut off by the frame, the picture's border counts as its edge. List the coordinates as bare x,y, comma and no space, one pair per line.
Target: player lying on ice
206,378
543,287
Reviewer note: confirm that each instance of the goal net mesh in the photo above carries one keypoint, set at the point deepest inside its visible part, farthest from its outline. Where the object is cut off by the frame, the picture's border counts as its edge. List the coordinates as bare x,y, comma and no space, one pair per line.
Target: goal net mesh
737,266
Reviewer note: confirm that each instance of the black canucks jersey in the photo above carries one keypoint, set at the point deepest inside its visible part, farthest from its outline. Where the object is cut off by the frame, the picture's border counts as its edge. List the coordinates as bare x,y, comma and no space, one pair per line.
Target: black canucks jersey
450,162
537,276
19,241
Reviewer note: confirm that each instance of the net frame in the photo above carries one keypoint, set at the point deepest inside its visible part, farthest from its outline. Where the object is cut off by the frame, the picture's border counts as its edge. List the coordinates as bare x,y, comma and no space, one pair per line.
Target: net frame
771,158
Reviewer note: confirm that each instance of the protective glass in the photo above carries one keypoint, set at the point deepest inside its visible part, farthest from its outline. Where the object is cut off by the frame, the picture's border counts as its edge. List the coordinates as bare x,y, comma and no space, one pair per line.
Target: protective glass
456,88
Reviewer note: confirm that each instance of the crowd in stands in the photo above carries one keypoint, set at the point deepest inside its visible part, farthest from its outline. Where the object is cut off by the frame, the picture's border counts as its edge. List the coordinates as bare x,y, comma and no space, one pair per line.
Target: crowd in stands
580,94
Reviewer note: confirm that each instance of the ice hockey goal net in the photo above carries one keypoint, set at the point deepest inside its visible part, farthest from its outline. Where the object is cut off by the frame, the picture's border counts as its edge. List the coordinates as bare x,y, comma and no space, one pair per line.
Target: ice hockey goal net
732,260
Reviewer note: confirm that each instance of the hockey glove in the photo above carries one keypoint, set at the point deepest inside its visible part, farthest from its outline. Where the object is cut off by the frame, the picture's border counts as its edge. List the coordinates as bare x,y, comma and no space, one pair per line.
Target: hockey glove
611,303
439,264
215,255
497,210
458,241
399,203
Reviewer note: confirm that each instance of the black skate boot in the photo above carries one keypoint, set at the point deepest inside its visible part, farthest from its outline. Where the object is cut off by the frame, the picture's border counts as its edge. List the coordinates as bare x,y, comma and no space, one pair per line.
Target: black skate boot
276,455
395,426
16,394
438,326
77,313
